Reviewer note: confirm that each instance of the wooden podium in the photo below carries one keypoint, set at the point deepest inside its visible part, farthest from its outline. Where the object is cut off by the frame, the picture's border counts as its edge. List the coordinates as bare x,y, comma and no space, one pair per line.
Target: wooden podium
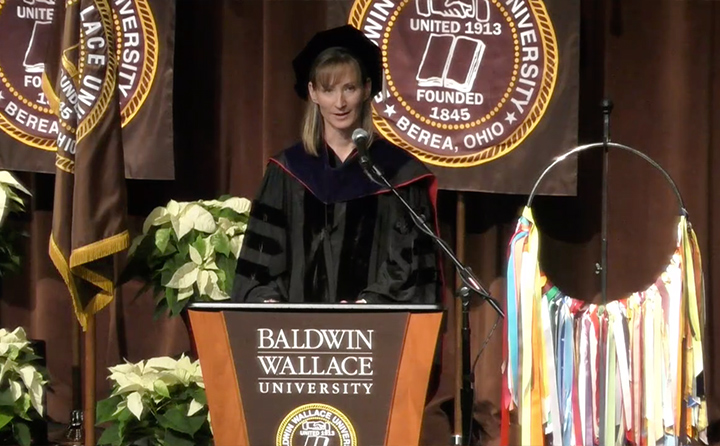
314,374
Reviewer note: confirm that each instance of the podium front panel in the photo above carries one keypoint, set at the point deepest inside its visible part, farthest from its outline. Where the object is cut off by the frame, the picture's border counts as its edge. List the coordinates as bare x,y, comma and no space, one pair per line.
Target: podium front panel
316,378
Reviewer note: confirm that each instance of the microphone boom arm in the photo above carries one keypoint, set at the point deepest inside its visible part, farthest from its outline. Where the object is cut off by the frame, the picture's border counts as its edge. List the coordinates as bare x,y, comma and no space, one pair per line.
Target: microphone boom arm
467,276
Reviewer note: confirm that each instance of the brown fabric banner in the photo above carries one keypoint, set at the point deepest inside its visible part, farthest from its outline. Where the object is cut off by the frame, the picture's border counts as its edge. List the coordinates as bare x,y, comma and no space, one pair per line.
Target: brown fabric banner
483,91
83,85
28,128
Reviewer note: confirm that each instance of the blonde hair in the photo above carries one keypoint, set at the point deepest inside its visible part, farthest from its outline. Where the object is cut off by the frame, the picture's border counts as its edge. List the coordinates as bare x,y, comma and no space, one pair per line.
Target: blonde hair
323,72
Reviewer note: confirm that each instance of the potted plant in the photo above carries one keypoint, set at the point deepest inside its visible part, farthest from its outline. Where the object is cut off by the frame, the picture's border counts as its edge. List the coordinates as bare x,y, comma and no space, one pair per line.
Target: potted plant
160,401
188,251
22,384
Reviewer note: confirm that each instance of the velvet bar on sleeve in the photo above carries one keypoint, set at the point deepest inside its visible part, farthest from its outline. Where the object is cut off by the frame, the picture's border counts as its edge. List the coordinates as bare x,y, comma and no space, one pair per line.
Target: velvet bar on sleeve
321,231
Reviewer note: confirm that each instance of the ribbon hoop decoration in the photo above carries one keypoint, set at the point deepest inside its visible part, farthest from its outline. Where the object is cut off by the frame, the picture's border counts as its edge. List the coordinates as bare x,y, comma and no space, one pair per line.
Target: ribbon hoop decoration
613,145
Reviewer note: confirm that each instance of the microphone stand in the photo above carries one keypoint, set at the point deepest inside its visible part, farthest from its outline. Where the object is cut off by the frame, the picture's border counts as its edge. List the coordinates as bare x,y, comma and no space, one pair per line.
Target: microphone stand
470,283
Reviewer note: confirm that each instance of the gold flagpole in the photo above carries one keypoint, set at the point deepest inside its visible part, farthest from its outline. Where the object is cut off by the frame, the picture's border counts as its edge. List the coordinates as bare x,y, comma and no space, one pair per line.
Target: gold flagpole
89,380
77,348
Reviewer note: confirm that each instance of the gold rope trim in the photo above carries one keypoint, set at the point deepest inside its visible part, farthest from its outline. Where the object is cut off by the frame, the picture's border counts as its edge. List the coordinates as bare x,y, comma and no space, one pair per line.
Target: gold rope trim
70,67
97,250
14,132
150,61
65,164
61,264
50,94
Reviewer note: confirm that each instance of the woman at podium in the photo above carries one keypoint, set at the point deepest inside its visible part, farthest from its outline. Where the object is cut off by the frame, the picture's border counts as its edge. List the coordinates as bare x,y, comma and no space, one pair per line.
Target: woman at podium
320,230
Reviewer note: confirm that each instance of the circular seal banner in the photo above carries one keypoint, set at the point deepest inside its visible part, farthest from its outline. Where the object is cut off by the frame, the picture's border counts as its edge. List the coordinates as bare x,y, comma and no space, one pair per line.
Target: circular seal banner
25,27
465,80
316,425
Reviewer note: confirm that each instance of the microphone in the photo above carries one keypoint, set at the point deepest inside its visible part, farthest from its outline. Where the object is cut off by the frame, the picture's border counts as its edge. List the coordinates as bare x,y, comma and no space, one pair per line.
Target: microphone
360,138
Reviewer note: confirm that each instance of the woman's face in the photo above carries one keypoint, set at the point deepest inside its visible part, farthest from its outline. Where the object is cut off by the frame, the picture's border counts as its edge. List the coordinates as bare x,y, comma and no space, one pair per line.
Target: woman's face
340,94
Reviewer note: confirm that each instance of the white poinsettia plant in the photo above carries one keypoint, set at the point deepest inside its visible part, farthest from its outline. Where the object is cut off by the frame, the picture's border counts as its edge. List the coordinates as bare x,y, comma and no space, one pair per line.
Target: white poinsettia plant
160,401
22,385
10,202
188,251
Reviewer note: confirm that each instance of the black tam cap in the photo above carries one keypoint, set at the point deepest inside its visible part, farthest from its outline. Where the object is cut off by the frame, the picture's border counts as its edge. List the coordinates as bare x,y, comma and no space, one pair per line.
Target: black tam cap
347,37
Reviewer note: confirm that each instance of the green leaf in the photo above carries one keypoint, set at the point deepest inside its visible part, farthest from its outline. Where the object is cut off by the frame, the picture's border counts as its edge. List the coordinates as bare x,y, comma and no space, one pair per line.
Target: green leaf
171,297
221,243
176,419
106,408
228,266
13,353
4,419
171,248
199,244
172,439
230,215
160,308
183,250
162,237
111,435
27,357
181,393
166,275
6,399
177,306
123,416
161,388
144,249
22,405
21,432
199,395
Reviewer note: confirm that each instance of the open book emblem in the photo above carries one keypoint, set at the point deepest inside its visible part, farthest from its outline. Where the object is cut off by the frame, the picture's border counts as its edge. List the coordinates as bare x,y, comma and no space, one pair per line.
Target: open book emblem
462,57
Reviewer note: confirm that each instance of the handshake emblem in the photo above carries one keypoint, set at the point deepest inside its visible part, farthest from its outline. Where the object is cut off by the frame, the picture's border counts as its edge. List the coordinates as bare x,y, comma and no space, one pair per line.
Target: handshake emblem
317,433
455,9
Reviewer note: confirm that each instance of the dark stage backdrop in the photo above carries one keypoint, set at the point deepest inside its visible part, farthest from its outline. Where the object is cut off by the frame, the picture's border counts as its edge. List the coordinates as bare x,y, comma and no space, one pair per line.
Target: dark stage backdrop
658,60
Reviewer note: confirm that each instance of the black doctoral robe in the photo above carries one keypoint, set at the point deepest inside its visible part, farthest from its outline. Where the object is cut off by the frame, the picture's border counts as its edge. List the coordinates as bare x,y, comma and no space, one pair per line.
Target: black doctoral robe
321,231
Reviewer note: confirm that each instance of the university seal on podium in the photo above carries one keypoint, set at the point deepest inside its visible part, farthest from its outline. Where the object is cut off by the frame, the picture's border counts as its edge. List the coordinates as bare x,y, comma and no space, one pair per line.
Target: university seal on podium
26,26
466,81
316,425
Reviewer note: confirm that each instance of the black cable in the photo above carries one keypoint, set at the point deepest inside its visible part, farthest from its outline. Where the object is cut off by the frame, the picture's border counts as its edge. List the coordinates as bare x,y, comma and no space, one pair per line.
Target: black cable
477,357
